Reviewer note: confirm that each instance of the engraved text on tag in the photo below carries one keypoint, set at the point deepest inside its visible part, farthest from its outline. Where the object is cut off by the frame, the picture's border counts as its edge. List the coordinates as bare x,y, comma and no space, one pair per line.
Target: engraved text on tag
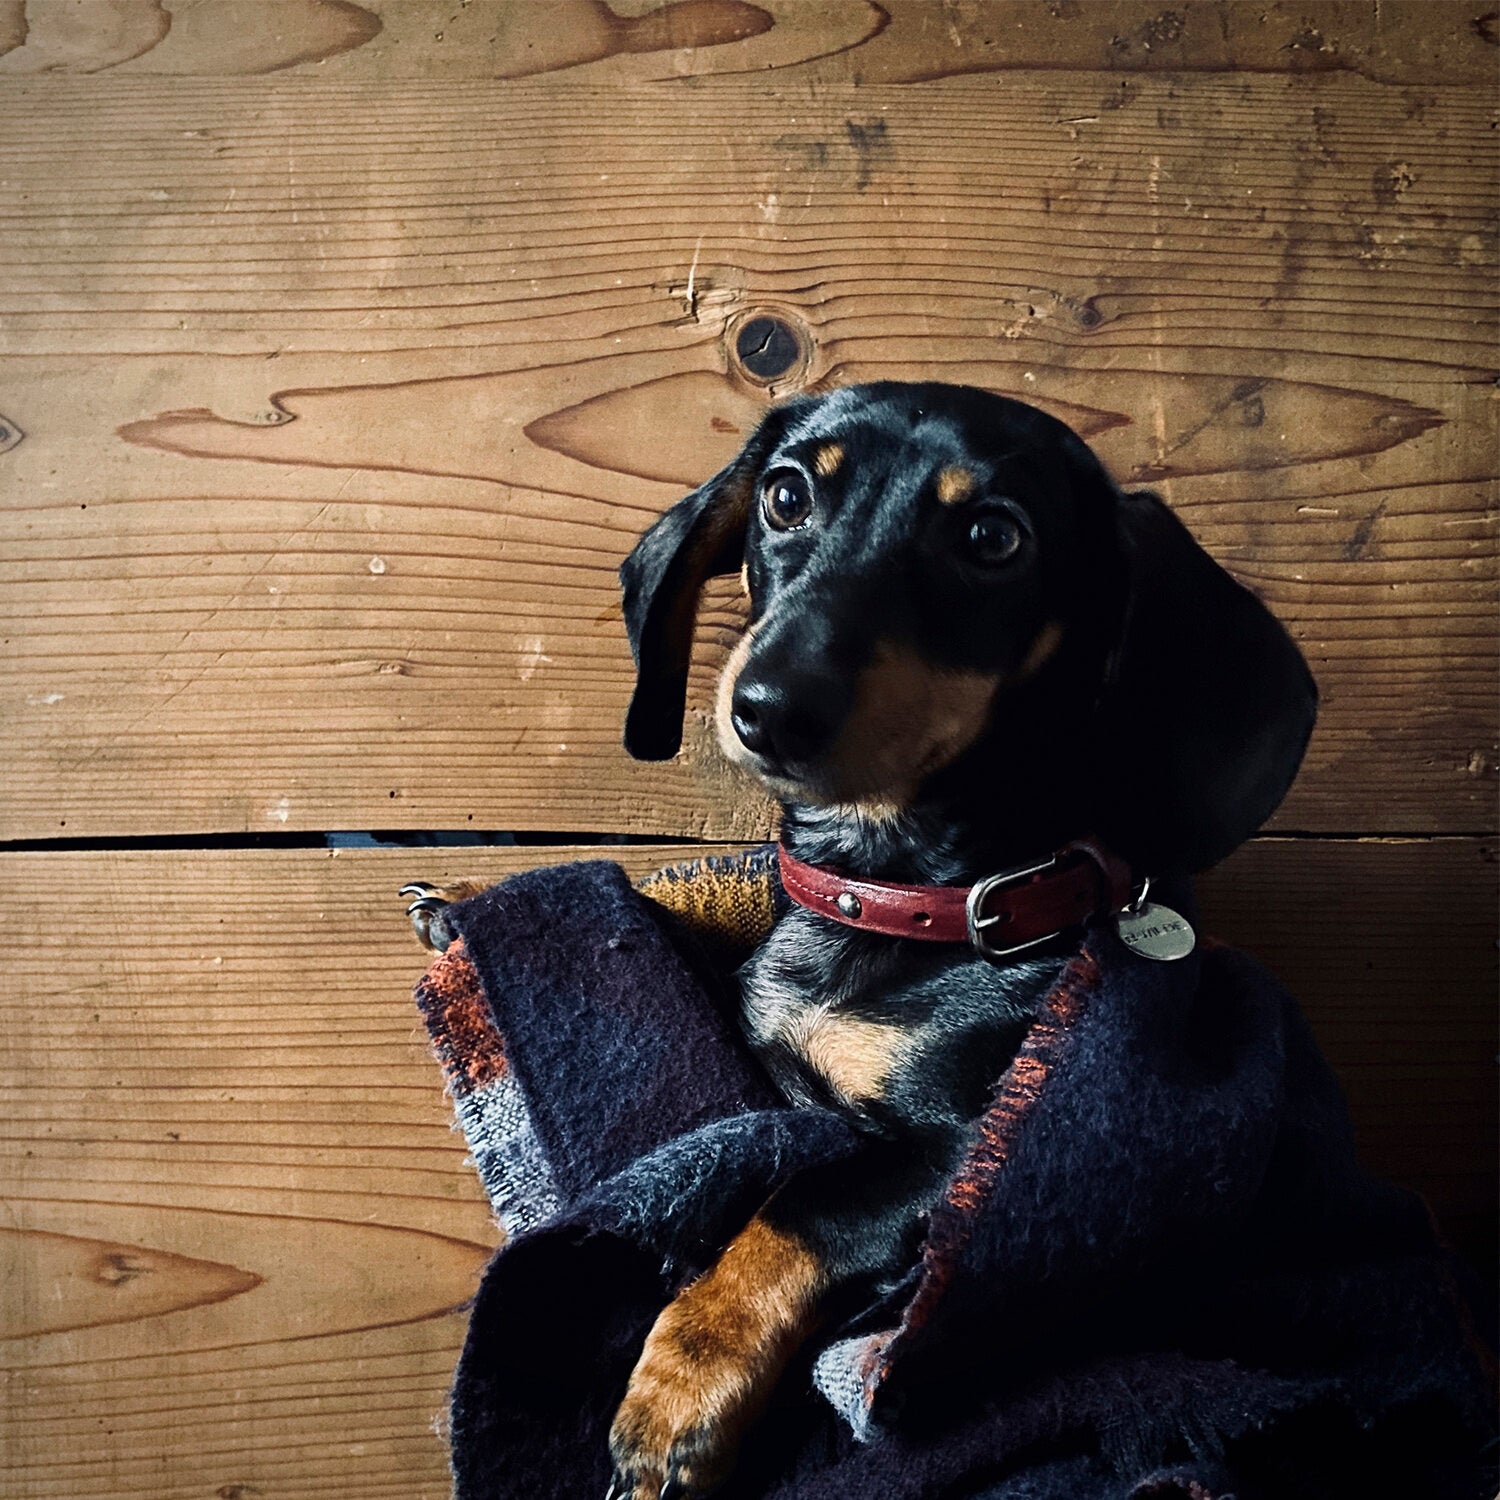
1155,931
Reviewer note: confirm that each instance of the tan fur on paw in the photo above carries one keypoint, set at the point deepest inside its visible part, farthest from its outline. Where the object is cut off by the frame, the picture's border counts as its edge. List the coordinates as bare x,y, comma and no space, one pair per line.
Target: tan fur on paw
710,1363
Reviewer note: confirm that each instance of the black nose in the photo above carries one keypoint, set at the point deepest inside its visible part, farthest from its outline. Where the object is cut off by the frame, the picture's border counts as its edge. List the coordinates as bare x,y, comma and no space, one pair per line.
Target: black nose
789,721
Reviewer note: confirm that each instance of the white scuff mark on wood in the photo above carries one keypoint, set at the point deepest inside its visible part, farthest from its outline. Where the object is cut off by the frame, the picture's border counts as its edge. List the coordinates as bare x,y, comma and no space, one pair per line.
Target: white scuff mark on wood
280,810
690,295
377,565
702,299
954,22
43,700
1472,251
1027,313
532,656
708,304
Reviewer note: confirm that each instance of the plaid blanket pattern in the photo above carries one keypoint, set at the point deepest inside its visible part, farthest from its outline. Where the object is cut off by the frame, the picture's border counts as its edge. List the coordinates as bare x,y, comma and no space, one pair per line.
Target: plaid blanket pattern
719,907
488,1104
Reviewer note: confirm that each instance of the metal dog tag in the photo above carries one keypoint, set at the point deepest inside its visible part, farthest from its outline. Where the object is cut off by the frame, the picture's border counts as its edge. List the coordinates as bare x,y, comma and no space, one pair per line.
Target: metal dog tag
1155,932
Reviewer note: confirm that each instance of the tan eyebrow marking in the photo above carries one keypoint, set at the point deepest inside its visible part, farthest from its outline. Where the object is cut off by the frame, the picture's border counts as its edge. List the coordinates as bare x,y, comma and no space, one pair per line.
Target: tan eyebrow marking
954,485
828,459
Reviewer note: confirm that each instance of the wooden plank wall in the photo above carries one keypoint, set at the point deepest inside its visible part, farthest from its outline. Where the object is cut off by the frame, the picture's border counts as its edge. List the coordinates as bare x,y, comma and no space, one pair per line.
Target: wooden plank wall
343,350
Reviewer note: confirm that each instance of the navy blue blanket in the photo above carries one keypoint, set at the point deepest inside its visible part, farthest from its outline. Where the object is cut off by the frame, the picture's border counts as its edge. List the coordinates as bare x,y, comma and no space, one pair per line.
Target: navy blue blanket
1159,1272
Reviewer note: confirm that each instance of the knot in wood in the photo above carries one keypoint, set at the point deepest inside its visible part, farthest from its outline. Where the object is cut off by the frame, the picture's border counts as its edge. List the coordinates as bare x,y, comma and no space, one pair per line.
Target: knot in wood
768,346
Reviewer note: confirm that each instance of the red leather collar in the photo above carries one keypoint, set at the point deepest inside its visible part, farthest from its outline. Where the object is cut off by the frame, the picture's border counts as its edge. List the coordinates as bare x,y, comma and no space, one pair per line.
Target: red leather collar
998,915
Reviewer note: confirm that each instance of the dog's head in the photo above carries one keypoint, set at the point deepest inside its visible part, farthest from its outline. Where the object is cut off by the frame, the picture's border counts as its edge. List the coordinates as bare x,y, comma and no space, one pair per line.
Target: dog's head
943,581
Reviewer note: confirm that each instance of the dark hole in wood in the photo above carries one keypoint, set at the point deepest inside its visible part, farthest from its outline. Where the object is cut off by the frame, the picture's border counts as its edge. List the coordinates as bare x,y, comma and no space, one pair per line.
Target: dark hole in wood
767,347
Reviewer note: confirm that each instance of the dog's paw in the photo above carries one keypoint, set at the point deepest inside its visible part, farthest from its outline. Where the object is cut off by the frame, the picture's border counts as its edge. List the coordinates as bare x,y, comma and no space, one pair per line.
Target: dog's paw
429,910
678,1429
710,1363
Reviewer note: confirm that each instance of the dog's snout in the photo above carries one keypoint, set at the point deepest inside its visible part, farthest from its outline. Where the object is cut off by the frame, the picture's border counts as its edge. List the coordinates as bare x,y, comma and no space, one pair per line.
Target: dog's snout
789,721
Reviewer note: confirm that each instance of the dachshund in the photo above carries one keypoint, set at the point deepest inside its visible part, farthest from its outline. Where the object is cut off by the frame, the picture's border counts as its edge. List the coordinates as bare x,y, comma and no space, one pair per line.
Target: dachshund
994,695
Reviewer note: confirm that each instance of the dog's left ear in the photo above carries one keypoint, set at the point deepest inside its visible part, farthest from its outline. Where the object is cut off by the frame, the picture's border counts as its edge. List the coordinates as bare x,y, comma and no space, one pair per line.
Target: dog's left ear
703,535
1208,704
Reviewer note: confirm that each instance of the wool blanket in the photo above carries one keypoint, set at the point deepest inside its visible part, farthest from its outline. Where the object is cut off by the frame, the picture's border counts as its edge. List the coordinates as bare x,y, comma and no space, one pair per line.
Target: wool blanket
1159,1272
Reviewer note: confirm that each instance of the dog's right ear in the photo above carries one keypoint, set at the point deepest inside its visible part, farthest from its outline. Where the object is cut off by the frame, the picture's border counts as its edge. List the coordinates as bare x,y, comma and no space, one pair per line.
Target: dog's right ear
701,536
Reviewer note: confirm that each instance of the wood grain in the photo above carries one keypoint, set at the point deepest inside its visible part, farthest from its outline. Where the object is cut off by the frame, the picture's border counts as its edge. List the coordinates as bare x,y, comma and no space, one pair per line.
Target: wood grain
239,1230
336,379
1392,41
345,348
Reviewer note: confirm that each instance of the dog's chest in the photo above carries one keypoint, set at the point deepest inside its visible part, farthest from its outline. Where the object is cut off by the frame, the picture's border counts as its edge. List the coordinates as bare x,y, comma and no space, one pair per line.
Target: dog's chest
855,1020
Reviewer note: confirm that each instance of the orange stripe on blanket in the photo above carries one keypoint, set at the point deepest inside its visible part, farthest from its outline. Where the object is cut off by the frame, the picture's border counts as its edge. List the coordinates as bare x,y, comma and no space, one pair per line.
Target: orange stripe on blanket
465,1040
1022,1085
1020,1090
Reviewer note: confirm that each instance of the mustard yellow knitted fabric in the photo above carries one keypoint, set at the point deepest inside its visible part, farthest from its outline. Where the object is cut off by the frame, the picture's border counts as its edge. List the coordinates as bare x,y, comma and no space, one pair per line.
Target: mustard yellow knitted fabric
726,902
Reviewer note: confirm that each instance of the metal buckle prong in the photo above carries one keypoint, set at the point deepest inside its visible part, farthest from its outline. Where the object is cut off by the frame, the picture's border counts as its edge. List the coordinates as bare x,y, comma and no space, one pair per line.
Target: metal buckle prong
975,905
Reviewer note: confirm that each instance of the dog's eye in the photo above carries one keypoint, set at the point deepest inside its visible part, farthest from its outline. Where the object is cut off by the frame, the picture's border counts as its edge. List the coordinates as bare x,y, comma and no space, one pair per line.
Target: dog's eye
994,537
786,499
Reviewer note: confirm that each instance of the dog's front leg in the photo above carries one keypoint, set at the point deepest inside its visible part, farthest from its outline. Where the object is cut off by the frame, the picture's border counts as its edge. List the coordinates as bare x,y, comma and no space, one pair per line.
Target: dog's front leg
714,1356
711,1361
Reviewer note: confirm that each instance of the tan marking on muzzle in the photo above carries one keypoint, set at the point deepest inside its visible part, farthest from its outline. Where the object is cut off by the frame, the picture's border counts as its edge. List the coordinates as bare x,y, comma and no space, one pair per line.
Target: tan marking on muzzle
910,718
828,459
729,741
954,485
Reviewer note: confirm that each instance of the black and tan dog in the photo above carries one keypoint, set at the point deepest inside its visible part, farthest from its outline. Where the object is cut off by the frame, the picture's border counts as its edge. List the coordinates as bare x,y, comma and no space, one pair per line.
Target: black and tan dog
967,650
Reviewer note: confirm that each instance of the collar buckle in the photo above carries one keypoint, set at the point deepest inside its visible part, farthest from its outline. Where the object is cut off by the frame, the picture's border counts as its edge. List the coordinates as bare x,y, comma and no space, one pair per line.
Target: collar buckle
978,922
